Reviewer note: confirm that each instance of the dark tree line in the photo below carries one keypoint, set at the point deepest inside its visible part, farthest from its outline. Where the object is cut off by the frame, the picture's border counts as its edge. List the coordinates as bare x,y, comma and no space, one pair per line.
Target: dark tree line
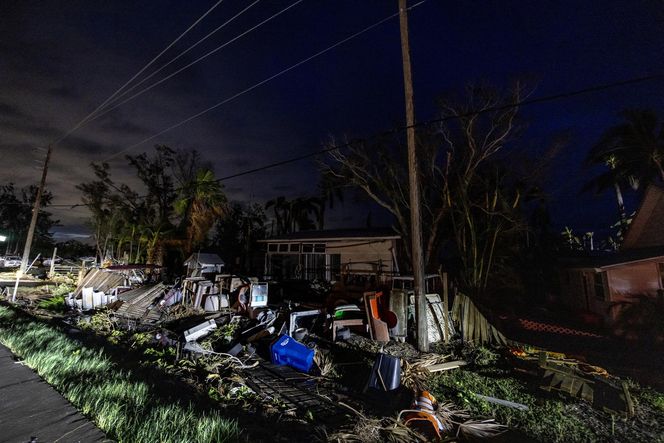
15,214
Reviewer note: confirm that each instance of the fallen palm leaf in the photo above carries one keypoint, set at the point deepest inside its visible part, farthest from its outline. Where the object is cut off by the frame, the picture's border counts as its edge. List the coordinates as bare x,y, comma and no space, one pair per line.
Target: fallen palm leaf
414,373
476,429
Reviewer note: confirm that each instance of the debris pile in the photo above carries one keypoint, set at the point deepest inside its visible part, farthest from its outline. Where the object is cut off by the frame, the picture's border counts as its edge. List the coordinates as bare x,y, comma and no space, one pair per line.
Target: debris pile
320,361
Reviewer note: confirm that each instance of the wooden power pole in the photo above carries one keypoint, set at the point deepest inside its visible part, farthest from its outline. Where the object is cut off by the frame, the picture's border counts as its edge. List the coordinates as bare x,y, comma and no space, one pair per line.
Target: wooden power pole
35,214
414,183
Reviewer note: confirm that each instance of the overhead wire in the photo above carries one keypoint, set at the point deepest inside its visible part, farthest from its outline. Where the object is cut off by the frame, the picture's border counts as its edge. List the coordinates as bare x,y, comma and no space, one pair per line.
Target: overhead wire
262,82
183,53
154,59
553,97
522,103
198,60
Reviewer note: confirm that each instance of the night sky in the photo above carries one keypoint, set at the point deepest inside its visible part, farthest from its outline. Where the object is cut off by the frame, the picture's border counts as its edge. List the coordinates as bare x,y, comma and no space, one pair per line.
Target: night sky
59,60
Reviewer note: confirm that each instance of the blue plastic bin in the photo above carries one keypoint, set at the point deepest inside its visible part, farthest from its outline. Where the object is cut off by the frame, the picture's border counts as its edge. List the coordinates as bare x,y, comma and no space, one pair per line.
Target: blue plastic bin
287,351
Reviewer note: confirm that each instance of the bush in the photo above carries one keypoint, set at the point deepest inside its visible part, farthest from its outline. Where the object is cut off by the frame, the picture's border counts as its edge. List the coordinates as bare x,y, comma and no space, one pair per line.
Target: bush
545,420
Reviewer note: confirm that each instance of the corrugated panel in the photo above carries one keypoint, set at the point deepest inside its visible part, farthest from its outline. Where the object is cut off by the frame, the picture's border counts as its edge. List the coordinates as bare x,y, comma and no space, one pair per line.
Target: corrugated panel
100,280
137,303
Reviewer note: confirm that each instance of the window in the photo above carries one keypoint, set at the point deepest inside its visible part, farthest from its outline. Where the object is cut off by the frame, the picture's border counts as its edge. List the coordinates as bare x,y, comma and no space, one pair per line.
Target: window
333,267
313,266
283,247
272,247
316,248
598,283
295,247
282,266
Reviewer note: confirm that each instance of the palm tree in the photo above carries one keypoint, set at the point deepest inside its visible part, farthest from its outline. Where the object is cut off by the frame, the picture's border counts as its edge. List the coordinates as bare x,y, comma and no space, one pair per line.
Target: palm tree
633,152
614,177
634,148
329,190
301,208
279,207
201,203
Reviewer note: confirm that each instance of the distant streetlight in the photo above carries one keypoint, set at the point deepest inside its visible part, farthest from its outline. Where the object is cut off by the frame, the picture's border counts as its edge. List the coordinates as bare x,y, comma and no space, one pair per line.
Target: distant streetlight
3,238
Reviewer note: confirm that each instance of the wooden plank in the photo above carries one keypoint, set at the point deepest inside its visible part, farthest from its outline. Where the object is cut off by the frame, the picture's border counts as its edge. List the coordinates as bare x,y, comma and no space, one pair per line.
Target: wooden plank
446,366
446,309
501,402
434,316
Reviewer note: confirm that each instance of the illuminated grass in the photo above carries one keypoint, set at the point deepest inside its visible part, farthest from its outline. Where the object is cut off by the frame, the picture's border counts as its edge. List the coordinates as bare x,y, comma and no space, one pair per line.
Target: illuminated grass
126,409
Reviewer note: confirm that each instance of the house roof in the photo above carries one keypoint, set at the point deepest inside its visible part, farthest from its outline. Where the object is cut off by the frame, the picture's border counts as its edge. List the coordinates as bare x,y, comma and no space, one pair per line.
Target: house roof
601,259
337,234
646,228
204,259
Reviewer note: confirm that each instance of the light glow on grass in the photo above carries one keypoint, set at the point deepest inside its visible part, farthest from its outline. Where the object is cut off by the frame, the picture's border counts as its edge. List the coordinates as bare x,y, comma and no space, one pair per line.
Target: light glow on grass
124,407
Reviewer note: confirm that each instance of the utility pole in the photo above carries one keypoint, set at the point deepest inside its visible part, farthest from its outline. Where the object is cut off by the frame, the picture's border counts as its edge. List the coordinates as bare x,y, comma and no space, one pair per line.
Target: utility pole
414,183
35,214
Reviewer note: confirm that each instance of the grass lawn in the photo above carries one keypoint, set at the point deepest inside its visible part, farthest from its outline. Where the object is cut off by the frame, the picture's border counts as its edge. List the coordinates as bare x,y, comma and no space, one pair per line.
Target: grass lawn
550,417
125,407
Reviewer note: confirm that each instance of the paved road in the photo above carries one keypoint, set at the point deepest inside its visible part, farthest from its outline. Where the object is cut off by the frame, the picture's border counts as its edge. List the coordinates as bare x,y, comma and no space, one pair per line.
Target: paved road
30,408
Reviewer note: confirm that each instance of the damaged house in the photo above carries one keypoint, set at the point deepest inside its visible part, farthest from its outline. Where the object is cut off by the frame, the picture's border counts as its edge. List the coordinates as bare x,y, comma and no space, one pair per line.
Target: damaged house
602,284
327,254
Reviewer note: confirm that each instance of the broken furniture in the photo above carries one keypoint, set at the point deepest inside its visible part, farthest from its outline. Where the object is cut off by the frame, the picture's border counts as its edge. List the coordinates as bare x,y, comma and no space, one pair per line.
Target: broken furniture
346,316
173,296
303,319
385,374
199,331
216,302
377,327
421,416
258,293
287,351
398,303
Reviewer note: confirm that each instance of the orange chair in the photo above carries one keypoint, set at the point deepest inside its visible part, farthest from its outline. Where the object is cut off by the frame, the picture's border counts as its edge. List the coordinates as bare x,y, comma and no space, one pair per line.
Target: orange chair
377,327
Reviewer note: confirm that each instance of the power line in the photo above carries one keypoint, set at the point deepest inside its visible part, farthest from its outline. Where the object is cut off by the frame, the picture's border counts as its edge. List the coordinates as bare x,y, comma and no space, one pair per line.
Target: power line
523,103
174,59
256,85
538,100
199,59
84,120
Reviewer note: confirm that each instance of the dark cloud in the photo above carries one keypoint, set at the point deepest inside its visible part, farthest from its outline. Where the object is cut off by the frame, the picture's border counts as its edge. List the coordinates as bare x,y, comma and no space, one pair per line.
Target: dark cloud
64,92
115,123
8,111
60,60
283,188
241,162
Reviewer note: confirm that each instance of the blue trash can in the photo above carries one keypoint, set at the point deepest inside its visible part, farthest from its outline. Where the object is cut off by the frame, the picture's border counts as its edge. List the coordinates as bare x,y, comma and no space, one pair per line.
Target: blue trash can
287,351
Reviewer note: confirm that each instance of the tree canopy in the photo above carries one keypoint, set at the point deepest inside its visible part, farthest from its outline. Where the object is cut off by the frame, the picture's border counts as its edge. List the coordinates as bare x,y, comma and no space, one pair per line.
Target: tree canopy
178,204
